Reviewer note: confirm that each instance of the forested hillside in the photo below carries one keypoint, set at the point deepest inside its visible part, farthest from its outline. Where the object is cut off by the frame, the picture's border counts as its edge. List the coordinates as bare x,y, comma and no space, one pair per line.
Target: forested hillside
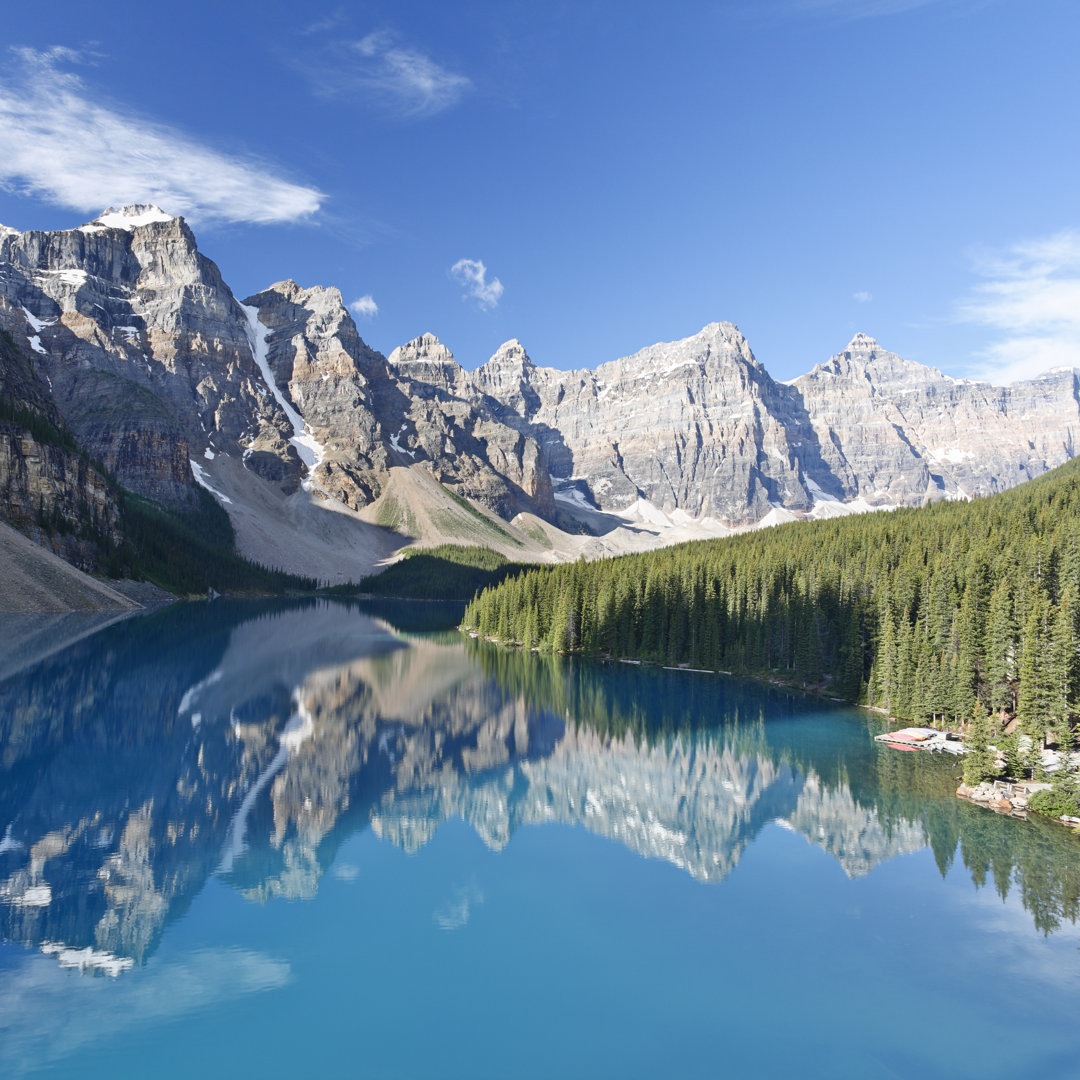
923,612
443,572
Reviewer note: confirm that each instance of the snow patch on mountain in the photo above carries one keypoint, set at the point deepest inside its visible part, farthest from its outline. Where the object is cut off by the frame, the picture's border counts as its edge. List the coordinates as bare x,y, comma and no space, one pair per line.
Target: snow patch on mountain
37,324
203,480
68,276
311,451
396,444
129,217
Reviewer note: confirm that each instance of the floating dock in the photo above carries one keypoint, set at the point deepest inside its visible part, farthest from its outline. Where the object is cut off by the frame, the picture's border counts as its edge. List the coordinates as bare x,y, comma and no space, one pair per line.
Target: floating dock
921,738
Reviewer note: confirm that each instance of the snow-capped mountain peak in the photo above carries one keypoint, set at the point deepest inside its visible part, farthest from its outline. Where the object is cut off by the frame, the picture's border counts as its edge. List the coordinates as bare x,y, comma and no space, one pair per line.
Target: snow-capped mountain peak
129,217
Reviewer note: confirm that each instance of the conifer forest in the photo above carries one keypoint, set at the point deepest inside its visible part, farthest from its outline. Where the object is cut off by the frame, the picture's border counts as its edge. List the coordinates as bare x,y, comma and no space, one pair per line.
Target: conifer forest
934,614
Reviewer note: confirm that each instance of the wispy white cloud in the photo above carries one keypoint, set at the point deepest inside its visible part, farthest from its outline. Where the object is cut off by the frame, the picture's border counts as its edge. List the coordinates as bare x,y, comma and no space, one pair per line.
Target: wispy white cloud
472,273
377,67
862,297
365,307
1030,297
58,144
324,24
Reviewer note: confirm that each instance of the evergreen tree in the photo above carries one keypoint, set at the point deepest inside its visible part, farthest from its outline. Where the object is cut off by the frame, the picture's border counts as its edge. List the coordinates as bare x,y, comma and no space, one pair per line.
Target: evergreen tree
980,762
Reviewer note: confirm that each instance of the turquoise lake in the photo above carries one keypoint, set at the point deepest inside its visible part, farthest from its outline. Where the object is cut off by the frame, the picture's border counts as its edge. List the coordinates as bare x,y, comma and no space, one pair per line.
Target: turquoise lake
339,839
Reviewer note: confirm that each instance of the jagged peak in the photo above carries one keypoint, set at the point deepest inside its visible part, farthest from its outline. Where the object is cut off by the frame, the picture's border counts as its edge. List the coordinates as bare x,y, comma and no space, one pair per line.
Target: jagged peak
726,332
730,334
287,290
862,342
7,230
511,351
423,349
287,287
128,217
719,329
291,290
864,357
715,340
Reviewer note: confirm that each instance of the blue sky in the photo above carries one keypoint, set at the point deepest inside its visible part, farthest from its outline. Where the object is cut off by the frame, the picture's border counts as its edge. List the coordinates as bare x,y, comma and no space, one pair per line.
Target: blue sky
588,177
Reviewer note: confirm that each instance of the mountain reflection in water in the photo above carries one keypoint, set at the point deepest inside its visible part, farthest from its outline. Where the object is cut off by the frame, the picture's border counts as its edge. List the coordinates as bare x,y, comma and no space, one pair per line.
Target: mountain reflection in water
249,741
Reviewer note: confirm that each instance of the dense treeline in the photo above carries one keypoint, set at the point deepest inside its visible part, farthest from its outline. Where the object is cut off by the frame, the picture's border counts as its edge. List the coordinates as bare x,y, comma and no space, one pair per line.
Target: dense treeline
923,612
21,406
444,572
40,427
184,552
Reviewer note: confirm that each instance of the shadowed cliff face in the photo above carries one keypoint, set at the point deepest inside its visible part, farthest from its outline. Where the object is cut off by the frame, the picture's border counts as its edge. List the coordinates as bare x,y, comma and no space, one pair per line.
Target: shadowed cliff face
248,741
43,479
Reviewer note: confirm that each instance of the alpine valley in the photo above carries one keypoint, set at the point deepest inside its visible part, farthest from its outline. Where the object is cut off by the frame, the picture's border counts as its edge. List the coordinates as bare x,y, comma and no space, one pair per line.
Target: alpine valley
125,347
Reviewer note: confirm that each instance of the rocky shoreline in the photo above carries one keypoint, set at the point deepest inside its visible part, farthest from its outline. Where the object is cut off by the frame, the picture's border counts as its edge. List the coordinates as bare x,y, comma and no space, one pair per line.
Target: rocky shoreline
1003,796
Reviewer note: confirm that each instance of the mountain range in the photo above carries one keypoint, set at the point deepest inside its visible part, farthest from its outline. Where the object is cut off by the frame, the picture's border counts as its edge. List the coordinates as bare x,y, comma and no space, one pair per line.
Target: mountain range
328,456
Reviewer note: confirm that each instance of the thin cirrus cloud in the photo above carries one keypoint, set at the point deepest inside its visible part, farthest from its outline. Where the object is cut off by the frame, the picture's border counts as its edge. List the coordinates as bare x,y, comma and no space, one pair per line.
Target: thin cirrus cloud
59,145
472,274
365,307
1029,299
379,68
862,297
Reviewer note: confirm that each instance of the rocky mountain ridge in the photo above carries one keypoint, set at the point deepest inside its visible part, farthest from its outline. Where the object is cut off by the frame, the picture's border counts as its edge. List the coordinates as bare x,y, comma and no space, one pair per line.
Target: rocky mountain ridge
168,379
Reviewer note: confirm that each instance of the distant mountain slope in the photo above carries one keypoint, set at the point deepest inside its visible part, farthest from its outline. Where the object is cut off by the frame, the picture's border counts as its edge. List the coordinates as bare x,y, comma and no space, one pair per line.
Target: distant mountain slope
894,431
167,379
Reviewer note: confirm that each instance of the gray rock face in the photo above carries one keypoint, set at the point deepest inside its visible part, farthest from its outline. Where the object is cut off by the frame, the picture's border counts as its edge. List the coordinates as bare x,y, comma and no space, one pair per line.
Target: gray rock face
696,425
369,412
143,344
894,432
47,489
151,361
699,426
320,363
464,433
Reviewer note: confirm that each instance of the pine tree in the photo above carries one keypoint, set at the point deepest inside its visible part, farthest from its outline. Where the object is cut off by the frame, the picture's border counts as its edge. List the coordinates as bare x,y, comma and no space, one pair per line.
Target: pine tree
980,762
1032,699
1061,668
1000,650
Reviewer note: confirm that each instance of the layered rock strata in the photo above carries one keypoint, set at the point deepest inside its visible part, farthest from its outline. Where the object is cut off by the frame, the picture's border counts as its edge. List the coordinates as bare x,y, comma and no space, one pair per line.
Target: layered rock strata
48,490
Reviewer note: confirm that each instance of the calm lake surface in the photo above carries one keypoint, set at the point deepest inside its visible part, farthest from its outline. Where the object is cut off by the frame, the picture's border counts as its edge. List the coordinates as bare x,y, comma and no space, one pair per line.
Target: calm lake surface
326,839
